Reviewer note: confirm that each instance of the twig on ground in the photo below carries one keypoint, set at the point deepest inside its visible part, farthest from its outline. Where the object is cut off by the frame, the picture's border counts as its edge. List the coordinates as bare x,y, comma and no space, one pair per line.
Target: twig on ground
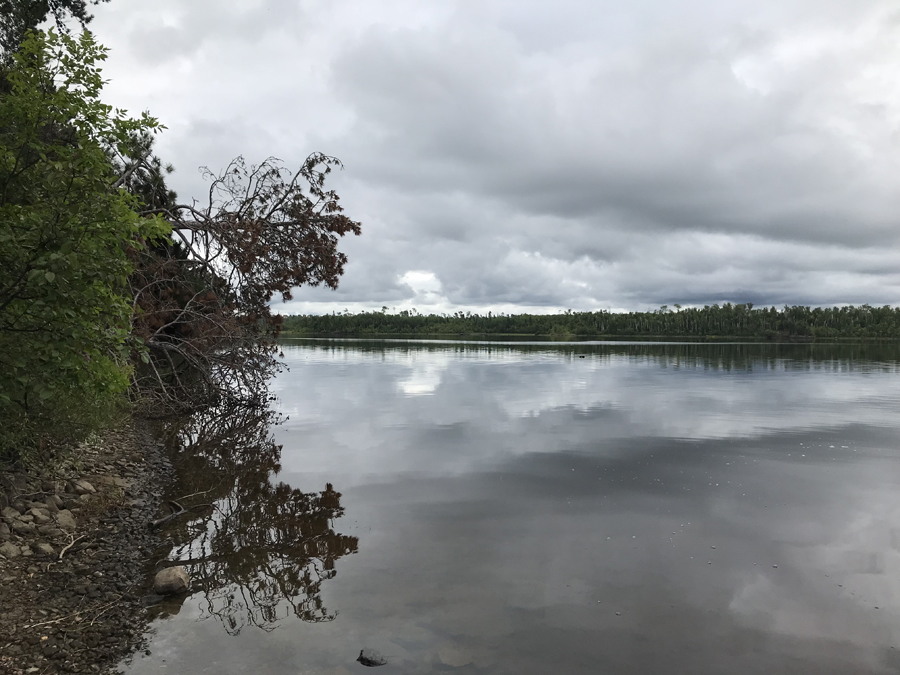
69,545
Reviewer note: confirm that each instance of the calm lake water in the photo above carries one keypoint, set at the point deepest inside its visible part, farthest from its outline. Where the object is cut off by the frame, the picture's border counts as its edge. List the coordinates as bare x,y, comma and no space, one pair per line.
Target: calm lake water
561,508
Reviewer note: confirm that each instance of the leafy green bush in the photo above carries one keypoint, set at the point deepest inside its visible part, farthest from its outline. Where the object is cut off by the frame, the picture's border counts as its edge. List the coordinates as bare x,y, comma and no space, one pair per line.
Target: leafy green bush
66,230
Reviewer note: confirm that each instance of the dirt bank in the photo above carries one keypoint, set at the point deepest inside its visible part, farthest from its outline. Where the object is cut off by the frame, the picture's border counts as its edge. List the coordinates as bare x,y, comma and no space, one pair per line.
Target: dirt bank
76,555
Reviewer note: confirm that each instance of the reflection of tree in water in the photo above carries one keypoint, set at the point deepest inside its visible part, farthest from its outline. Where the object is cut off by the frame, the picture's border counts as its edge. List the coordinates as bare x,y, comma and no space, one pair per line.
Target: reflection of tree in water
257,550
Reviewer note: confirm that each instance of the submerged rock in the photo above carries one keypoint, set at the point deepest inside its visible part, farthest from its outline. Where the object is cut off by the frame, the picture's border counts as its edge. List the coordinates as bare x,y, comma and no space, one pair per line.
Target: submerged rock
20,527
370,658
171,581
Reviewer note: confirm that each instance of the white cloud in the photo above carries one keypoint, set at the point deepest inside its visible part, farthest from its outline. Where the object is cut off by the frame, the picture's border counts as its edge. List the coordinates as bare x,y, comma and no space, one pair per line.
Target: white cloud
536,155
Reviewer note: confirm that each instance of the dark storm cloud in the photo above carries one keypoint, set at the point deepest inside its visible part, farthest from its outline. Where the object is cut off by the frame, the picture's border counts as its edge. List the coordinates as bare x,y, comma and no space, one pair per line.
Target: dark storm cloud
530,155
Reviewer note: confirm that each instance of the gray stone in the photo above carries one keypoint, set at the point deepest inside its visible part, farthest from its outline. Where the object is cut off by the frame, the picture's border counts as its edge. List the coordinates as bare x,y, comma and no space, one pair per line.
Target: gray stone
56,500
9,550
9,512
4,531
39,511
21,527
50,506
85,498
82,487
44,549
171,581
50,531
42,519
66,520
27,552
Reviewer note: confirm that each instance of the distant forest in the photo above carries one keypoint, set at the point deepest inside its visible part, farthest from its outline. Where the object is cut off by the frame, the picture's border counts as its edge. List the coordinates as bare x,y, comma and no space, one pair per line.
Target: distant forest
741,320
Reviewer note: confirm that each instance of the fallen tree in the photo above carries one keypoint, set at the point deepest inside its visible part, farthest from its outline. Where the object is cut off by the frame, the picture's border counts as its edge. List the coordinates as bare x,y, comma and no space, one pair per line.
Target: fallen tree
201,302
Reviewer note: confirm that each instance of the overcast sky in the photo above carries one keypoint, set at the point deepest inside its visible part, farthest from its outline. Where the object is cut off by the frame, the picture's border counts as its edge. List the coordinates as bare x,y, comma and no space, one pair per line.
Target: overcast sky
524,155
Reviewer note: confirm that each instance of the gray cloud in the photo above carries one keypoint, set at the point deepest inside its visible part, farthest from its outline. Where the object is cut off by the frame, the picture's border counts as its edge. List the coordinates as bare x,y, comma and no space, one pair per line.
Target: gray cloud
537,156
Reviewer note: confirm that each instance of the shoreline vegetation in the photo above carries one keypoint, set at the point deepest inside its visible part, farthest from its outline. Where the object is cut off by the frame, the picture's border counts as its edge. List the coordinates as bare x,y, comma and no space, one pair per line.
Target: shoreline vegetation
712,322
125,316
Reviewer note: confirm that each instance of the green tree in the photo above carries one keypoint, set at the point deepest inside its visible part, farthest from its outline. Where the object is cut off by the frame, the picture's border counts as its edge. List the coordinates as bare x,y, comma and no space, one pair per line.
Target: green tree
66,231
17,17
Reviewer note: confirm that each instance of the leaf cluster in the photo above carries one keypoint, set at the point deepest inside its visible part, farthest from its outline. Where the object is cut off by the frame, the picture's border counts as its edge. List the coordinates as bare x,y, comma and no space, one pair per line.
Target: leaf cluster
65,229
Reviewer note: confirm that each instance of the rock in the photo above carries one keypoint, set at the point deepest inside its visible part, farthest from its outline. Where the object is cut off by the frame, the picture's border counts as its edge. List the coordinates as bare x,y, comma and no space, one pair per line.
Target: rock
26,551
20,527
82,487
56,500
85,498
9,550
370,658
44,549
4,531
50,486
50,531
66,520
171,581
41,516
9,512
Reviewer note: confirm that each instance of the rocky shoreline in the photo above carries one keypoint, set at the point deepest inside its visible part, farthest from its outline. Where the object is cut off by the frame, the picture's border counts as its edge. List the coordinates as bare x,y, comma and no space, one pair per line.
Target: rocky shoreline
77,555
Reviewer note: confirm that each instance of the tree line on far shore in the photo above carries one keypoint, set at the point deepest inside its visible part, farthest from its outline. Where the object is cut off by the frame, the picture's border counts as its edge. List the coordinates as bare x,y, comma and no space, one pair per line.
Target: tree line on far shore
727,320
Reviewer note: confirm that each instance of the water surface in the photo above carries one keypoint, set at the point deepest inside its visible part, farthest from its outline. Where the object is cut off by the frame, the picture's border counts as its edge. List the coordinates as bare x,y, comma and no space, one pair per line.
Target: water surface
555,508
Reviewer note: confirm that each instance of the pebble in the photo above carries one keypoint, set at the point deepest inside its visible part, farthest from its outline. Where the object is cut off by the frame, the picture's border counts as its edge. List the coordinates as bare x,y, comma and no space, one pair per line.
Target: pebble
108,563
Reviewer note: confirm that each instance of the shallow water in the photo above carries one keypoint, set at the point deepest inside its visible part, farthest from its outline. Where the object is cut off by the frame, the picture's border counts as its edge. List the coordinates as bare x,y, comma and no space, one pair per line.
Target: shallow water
516,508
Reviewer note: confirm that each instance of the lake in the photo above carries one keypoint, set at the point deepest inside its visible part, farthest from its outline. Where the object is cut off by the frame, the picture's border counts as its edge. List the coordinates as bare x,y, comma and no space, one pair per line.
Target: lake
517,508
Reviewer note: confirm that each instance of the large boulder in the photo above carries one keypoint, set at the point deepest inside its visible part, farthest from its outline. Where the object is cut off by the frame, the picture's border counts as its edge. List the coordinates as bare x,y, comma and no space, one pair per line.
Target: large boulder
171,581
